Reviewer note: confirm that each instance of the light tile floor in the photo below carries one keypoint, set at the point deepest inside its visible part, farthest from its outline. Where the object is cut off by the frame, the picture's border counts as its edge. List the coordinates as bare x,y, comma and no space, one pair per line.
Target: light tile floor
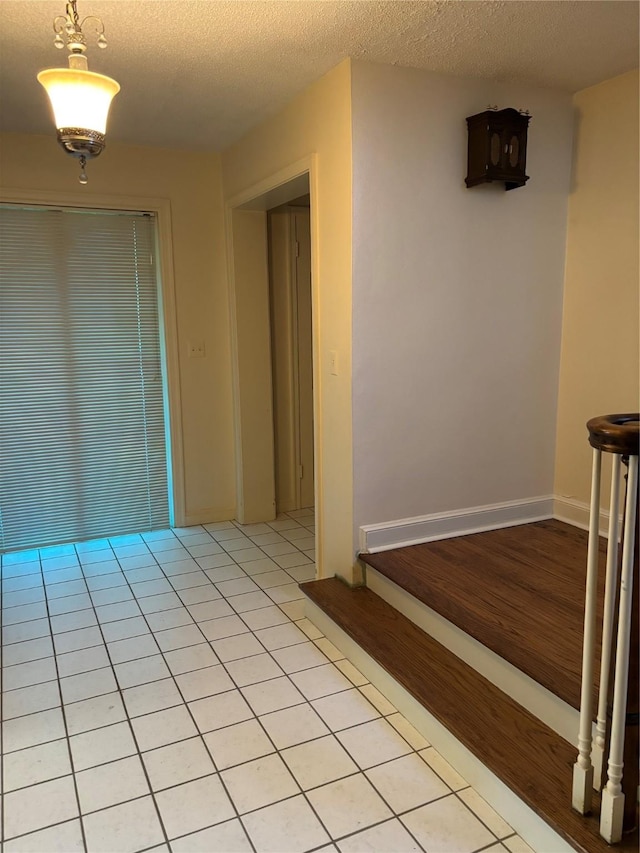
165,692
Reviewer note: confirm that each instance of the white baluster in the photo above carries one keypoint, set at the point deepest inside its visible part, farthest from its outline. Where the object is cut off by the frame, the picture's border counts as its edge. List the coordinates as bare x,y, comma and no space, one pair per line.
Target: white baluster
583,769
612,810
607,622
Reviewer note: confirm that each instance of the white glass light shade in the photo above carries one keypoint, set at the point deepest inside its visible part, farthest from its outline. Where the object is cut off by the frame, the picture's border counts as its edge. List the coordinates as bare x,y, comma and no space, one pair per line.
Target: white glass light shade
79,98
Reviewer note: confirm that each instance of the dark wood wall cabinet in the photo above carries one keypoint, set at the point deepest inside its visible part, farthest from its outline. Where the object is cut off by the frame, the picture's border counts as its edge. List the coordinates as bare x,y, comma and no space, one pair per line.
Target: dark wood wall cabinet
497,148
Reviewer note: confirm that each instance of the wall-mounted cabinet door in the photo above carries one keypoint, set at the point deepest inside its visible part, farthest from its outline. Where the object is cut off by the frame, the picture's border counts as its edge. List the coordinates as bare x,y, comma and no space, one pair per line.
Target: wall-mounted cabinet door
513,151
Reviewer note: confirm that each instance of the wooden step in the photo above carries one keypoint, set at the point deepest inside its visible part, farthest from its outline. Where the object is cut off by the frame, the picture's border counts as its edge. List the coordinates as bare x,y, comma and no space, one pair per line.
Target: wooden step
519,591
526,755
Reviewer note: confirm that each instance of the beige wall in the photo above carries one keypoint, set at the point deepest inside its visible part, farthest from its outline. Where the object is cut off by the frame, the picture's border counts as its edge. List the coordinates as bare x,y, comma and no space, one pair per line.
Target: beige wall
192,183
319,122
599,365
251,356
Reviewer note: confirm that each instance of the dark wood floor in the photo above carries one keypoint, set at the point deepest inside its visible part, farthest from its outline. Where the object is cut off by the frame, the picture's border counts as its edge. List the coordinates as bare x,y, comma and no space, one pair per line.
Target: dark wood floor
519,591
530,758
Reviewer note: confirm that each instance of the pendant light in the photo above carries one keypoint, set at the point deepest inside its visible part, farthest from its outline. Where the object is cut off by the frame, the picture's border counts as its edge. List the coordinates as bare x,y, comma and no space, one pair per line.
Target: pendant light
80,98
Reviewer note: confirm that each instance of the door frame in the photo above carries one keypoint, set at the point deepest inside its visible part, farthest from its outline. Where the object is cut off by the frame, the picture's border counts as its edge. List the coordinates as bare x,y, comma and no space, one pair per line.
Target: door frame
246,235
168,329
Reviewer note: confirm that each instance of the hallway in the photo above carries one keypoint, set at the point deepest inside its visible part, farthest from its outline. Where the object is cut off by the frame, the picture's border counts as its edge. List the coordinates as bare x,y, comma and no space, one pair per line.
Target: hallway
164,692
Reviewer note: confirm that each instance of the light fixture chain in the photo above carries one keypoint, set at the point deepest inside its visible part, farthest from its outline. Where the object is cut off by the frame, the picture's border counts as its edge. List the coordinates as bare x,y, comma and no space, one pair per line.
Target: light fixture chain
73,27
72,14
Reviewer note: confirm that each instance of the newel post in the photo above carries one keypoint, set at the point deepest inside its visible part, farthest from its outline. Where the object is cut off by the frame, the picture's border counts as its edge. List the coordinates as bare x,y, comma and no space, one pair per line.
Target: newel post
618,435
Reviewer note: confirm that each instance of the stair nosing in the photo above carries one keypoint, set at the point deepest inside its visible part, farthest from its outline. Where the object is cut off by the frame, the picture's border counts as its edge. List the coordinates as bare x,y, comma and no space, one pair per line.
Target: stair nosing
561,685
558,749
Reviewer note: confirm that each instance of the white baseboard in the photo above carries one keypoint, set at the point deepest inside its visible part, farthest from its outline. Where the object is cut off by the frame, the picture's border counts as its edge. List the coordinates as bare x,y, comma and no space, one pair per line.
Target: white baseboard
577,513
208,515
446,525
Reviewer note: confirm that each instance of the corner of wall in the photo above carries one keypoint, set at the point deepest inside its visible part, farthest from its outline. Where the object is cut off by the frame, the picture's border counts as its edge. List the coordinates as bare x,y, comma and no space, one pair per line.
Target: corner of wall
600,333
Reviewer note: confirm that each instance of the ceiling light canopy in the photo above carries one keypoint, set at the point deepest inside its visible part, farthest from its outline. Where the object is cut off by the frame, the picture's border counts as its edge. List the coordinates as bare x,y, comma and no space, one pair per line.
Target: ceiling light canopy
80,98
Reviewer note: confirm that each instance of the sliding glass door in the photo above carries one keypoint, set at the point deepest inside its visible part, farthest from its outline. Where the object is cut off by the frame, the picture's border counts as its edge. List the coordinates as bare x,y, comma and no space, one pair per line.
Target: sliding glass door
83,443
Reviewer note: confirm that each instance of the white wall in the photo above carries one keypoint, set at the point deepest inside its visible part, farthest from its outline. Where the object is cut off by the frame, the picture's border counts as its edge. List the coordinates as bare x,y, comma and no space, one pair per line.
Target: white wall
457,298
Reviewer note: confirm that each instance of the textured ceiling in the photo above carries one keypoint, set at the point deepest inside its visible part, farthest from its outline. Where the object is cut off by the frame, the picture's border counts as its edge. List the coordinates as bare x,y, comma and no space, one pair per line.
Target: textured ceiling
199,73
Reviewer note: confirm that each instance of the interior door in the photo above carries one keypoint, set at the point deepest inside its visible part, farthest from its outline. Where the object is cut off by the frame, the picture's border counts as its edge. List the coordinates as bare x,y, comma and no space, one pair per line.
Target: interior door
292,358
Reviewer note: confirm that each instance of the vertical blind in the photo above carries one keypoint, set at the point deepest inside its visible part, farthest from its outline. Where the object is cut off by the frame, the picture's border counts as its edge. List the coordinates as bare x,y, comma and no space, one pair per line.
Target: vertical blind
82,425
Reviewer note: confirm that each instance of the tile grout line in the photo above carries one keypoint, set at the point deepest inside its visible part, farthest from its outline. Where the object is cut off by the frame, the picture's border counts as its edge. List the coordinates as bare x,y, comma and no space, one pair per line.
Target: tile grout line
208,696
200,736
79,565
305,700
68,737
119,690
136,598
331,733
255,717
153,633
66,729
360,770
253,632
478,818
277,751
488,846
205,642
259,723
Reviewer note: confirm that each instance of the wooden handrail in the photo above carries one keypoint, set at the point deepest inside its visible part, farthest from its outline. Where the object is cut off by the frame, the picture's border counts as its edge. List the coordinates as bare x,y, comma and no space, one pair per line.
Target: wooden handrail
615,433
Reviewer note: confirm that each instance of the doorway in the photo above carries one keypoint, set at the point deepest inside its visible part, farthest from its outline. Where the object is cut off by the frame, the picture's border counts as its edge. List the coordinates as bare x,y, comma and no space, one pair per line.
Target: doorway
255,427
289,247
